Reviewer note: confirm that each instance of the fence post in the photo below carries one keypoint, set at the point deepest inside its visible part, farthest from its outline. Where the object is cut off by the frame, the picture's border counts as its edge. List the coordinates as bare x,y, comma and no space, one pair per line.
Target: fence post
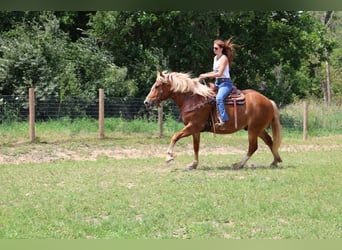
32,115
101,113
305,121
160,120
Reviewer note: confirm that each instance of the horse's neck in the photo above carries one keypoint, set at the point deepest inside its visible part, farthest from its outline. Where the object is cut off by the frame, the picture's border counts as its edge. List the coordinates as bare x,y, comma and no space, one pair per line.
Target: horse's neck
178,99
186,101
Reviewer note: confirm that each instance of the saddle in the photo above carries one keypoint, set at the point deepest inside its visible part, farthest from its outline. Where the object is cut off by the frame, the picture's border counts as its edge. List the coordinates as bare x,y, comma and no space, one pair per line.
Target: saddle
236,96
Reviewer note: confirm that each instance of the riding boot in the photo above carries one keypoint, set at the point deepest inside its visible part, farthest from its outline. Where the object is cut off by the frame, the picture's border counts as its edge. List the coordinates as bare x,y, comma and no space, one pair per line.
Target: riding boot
220,124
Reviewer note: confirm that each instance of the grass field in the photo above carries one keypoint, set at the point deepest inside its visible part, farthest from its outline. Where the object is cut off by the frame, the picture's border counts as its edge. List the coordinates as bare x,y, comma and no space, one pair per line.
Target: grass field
70,185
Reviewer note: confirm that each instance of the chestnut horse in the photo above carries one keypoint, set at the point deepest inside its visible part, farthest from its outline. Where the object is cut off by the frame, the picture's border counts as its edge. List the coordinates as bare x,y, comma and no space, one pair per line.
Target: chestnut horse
193,100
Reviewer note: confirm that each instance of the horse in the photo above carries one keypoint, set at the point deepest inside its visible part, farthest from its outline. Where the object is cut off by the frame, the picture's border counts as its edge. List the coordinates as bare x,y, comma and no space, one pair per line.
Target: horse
196,102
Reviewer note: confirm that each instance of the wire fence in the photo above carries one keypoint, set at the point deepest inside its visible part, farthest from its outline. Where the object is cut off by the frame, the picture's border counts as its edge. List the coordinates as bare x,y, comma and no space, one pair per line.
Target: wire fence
17,109
321,118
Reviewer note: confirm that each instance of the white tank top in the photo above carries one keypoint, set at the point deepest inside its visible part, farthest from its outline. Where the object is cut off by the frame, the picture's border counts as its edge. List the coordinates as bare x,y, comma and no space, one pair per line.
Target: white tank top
216,67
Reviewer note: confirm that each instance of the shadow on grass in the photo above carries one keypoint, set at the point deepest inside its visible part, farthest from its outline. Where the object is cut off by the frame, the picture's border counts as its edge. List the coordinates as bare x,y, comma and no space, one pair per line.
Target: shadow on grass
251,167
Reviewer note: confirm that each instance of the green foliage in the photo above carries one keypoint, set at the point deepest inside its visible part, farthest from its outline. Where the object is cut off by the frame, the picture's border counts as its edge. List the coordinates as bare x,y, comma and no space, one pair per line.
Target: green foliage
129,37
9,19
336,55
276,53
322,118
39,54
74,53
9,110
146,42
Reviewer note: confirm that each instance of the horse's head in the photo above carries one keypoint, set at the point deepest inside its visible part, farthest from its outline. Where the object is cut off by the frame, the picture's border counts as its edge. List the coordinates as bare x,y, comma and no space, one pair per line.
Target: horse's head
159,92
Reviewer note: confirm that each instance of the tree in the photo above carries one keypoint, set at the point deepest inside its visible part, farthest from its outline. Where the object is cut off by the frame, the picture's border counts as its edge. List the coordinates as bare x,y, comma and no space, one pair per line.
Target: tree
335,57
39,54
326,20
277,46
74,53
146,42
74,23
330,72
9,19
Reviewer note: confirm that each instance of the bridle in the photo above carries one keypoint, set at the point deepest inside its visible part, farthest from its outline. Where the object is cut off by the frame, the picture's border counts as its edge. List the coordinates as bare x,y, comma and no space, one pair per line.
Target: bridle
160,93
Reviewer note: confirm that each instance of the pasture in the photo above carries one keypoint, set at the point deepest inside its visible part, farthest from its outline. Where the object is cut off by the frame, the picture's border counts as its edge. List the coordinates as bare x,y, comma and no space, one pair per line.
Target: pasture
69,185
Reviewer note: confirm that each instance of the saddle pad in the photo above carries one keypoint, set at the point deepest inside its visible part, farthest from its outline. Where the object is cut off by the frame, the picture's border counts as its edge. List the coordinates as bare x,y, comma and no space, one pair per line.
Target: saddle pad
230,101
238,97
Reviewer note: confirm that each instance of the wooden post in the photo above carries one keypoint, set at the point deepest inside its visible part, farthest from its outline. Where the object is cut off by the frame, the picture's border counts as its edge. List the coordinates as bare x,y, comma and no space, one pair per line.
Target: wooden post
160,120
32,115
101,113
305,121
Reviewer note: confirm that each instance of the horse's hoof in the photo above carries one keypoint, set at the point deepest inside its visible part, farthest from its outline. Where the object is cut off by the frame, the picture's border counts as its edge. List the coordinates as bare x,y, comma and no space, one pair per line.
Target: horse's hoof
237,166
169,160
273,165
189,168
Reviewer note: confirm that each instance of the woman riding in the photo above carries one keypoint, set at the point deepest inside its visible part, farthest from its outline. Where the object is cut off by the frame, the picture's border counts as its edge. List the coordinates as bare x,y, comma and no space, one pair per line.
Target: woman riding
224,52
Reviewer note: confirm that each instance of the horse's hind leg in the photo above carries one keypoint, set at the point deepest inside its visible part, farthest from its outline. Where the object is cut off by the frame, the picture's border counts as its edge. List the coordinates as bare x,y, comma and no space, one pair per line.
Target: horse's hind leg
268,141
253,146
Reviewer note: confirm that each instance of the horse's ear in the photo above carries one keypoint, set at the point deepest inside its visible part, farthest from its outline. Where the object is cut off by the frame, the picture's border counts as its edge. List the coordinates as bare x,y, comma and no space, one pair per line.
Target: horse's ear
161,73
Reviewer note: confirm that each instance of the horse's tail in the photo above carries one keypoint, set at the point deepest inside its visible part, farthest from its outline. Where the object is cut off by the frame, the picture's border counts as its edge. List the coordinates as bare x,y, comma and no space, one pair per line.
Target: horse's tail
276,131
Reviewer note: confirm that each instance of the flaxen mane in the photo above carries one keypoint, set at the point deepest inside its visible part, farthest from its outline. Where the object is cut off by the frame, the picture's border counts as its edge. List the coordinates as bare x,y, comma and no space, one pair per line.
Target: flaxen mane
182,82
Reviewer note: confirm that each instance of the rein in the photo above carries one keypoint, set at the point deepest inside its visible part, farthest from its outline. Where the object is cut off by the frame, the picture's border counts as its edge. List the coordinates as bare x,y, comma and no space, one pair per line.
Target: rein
200,105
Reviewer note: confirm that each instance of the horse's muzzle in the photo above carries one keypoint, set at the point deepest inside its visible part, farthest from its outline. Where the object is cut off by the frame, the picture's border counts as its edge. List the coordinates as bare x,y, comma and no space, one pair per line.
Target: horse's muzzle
149,103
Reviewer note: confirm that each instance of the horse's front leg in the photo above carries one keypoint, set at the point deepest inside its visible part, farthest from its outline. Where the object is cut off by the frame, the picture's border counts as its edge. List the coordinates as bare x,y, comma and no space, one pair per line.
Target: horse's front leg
186,131
196,142
169,157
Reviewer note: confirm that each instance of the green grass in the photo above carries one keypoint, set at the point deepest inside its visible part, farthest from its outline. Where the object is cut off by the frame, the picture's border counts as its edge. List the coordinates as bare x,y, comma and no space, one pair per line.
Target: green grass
129,193
79,129
323,119
142,198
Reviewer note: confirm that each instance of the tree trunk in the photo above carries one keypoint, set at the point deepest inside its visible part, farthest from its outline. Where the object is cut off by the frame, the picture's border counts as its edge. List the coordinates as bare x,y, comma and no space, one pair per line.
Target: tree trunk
328,88
324,91
326,20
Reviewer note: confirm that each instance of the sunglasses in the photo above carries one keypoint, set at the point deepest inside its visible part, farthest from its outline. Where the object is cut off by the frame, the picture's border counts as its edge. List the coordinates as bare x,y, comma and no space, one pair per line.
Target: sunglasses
215,48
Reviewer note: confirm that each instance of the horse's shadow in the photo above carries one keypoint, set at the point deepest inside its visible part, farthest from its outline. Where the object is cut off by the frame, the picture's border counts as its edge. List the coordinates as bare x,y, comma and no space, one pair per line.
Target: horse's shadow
251,167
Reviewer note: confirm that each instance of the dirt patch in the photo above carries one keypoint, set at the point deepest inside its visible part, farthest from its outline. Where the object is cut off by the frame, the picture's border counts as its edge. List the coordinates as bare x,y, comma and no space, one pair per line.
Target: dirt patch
37,153
303,148
51,152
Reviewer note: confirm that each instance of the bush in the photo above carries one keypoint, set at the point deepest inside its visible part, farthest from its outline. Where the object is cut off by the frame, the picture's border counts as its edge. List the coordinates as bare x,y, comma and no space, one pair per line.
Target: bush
39,54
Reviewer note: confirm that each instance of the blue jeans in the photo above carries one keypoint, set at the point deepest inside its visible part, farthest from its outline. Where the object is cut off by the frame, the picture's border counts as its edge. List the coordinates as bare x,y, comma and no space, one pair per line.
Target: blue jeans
224,88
